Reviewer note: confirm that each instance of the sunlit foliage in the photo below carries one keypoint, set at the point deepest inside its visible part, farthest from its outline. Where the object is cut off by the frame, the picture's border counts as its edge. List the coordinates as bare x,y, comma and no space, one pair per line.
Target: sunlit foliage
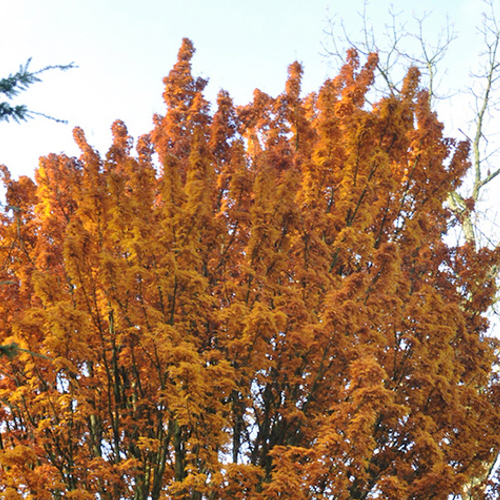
273,312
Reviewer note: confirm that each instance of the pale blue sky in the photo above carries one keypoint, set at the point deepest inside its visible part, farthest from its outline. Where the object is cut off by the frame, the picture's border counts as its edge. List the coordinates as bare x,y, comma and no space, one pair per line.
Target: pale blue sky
124,48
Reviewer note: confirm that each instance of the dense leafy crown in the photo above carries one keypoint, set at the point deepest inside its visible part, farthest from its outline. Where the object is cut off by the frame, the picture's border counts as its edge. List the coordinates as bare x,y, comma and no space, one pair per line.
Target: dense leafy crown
272,313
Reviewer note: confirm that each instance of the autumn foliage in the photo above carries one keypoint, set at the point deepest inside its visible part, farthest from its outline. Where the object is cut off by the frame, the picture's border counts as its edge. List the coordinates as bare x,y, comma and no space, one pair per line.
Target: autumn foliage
256,303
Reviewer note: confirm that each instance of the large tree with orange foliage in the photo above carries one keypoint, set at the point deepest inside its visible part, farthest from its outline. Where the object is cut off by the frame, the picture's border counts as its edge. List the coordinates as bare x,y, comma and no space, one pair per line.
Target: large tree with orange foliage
274,311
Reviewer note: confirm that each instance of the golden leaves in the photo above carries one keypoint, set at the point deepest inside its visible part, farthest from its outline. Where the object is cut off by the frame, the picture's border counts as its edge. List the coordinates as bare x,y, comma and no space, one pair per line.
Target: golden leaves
269,313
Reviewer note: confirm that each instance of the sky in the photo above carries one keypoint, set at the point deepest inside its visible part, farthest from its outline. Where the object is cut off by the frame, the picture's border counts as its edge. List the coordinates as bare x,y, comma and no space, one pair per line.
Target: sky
124,48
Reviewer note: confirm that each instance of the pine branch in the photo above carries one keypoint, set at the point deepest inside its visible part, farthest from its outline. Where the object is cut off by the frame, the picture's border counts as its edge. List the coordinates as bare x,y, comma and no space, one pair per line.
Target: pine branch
14,84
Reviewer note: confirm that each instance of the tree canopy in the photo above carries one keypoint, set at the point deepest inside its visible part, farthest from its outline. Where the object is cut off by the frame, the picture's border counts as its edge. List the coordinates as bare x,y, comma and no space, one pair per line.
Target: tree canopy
273,311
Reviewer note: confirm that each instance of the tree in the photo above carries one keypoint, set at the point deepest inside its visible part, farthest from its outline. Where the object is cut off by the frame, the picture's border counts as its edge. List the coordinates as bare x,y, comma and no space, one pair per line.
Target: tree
400,45
16,83
11,87
475,209
273,312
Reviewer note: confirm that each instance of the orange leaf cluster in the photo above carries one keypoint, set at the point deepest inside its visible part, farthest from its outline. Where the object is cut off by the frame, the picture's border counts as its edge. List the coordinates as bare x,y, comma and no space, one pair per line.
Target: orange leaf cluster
271,313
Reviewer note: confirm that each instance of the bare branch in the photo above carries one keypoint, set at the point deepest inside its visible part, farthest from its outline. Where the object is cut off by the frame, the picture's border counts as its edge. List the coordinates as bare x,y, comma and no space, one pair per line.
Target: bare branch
491,34
396,39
